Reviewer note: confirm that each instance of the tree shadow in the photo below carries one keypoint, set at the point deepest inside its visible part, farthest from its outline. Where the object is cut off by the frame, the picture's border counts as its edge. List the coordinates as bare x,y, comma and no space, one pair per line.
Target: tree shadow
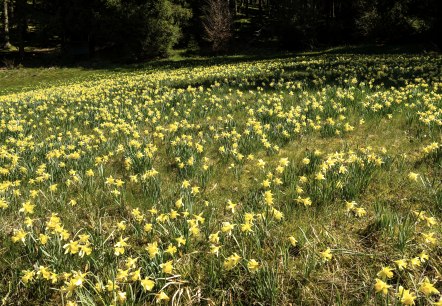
45,58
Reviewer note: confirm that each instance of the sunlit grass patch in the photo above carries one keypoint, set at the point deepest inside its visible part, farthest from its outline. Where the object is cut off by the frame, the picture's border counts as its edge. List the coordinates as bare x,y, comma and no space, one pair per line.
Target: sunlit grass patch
310,180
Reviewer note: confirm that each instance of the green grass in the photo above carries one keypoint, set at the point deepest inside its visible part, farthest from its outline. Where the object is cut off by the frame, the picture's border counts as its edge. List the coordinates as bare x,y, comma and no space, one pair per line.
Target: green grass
351,127
22,79
27,78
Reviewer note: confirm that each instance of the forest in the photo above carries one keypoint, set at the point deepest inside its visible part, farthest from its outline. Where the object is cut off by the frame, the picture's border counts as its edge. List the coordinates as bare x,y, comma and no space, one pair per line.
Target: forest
136,30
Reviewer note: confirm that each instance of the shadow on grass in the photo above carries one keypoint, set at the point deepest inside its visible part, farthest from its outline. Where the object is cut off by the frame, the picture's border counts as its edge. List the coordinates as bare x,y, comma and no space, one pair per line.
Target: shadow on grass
52,58
48,68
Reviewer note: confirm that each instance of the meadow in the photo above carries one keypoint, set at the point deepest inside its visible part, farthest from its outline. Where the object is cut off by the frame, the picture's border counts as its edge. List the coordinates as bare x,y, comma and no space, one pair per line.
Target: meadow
306,180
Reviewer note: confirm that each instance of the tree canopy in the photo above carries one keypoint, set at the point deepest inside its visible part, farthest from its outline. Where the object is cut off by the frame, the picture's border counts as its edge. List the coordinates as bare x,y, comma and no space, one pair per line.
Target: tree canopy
139,29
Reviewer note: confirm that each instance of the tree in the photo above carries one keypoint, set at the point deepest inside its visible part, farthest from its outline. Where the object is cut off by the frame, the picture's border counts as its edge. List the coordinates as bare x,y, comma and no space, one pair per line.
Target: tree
217,23
143,28
7,44
22,25
398,20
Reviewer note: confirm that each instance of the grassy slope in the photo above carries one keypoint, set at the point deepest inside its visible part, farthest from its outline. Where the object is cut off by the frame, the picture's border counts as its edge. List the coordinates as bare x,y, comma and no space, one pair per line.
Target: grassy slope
359,250
19,79
28,78
23,79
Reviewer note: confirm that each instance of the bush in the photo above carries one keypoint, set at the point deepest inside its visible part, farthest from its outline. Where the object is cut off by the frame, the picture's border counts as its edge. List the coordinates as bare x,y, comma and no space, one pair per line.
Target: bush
147,28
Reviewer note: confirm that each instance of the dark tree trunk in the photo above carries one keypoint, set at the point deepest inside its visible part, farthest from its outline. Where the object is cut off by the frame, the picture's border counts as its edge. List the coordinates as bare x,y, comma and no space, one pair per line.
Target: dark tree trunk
22,25
7,44
233,5
63,13
91,45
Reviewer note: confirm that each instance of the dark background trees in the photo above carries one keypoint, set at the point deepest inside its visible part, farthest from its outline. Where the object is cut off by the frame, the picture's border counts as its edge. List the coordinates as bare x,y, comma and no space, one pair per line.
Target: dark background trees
140,29
134,29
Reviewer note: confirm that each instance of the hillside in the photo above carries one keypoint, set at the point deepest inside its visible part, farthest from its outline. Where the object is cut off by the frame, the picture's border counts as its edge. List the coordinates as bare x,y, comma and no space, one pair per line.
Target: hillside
313,179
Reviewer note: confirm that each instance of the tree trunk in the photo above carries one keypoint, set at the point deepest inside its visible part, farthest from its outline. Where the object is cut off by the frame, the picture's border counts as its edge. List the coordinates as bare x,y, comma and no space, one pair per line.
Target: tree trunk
91,44
7,44
234,7
22,25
